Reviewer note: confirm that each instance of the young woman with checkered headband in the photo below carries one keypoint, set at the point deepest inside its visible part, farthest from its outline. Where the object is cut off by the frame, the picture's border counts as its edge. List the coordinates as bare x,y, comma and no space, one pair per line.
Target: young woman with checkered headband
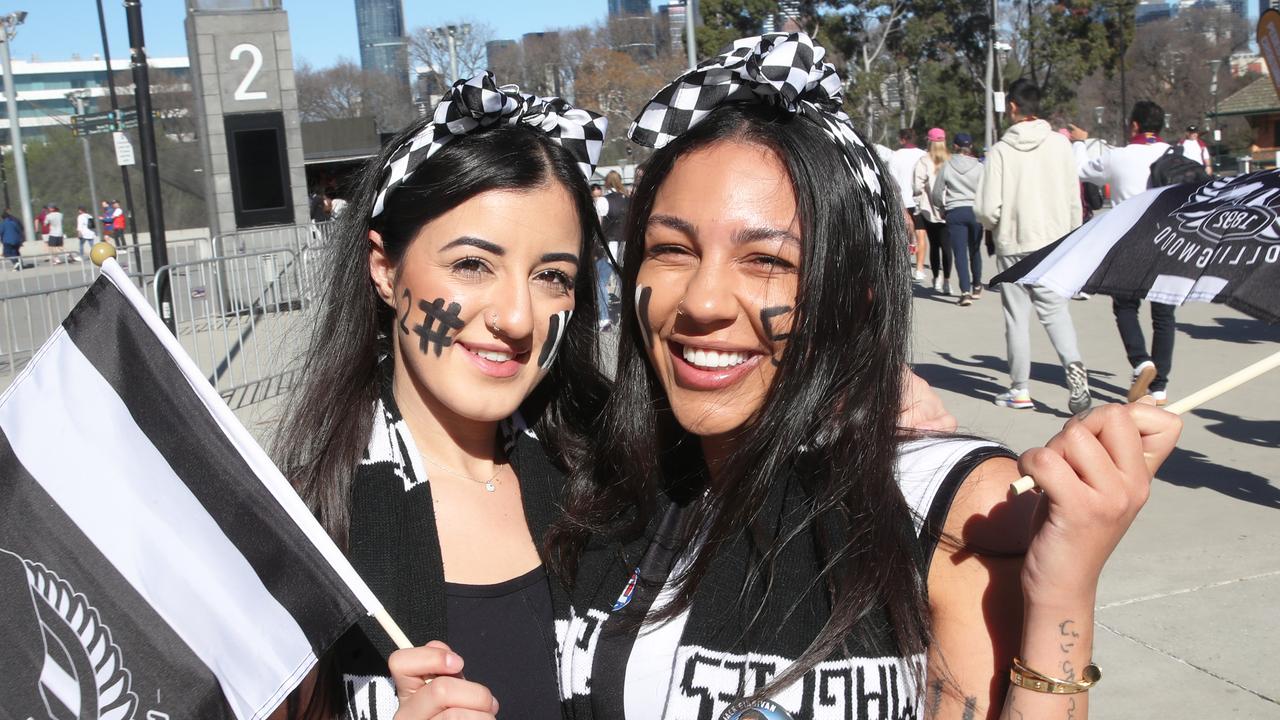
755,534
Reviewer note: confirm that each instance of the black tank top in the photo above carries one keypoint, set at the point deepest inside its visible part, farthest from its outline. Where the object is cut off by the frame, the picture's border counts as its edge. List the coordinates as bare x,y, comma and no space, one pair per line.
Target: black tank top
504,632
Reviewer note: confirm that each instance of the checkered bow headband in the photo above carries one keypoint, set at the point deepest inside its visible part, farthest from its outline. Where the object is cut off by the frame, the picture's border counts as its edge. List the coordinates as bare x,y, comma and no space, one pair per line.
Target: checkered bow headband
480,103
782,69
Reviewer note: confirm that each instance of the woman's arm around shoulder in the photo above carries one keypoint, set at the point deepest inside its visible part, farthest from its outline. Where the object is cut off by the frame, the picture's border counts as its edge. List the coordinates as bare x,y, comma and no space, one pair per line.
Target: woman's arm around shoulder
1017,575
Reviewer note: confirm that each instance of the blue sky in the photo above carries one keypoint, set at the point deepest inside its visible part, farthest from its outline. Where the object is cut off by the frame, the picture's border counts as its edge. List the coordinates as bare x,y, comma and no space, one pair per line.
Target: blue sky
323,30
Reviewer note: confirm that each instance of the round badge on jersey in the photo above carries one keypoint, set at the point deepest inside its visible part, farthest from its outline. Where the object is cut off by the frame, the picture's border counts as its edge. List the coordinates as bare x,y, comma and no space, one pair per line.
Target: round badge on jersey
758,710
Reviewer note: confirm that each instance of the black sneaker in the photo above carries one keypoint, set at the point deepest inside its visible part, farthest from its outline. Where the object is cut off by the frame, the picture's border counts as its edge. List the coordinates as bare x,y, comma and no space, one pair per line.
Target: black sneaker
1078,383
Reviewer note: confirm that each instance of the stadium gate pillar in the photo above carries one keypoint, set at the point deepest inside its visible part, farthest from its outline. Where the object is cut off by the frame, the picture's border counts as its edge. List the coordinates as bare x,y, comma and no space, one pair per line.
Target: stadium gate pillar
250,135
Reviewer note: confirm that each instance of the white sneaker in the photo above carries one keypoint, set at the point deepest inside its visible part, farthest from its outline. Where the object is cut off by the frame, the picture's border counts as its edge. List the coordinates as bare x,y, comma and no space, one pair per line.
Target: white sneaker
917,275
937,284
1142,377
946,287
1161,397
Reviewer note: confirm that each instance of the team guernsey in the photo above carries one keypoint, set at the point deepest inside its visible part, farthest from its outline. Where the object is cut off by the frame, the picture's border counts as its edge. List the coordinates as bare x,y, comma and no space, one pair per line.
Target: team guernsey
708,662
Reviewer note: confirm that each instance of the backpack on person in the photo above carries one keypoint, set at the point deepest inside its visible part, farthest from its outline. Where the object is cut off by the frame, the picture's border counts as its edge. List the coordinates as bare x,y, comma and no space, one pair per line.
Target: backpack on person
1174,168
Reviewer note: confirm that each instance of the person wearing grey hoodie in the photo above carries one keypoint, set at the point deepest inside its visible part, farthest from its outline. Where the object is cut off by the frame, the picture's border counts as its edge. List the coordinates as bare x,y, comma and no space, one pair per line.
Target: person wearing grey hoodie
954,191
1030,196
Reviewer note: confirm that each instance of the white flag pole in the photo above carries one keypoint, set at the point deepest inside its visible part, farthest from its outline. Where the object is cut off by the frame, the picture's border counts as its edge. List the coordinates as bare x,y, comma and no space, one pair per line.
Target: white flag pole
1191,402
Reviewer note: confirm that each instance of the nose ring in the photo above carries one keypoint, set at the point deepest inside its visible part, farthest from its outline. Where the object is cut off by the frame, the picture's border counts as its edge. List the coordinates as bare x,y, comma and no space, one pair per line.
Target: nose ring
491,321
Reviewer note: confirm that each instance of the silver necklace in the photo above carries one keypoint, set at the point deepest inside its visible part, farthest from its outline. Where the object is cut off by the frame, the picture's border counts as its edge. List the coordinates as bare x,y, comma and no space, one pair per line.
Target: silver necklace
489,485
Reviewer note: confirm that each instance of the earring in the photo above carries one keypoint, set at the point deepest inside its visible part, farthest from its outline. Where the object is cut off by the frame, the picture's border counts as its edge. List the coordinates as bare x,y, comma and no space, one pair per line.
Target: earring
491,321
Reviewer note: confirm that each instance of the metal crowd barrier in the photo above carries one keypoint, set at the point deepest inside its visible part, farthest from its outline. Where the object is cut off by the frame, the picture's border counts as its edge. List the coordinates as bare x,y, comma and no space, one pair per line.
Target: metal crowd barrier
239,302
29,316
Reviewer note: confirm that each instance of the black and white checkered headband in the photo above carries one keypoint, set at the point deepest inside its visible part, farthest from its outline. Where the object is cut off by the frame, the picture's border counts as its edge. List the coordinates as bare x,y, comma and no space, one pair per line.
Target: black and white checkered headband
480,103
781,69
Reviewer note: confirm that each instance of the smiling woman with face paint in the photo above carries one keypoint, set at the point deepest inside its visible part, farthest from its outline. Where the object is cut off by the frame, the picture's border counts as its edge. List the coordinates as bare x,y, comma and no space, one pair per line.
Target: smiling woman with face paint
756,535
460,302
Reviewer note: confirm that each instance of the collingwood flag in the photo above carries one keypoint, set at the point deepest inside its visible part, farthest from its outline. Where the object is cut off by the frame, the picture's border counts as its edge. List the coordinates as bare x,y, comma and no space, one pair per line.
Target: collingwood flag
1218,241
154,564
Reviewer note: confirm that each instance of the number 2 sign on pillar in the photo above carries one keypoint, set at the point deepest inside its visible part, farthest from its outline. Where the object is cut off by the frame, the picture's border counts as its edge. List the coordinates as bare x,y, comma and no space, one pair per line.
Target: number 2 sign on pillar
242,90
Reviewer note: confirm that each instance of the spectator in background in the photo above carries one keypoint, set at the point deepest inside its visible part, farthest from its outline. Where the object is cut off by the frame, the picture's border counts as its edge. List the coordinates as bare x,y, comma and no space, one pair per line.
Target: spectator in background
84,231
935,227
1128,171
597,192
104,218
1195,149
902,166
42,227
953,192
56,238
336,206
1030,196
612,209
117,223
12,239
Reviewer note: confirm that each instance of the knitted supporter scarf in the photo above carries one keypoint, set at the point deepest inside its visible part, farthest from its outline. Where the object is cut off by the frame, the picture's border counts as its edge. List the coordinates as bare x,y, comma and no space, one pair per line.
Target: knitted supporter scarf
396,549
734,641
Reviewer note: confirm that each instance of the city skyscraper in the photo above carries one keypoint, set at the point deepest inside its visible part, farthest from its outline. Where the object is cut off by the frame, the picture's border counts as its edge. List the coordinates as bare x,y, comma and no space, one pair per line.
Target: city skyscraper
383,45
618,8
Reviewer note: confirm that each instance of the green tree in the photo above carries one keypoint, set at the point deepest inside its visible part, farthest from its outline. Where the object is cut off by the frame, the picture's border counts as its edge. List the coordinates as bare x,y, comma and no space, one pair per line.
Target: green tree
724,21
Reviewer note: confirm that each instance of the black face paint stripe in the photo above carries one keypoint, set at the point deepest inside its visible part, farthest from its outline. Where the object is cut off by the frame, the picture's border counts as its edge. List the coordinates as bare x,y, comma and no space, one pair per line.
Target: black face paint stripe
642,311
555,333
431,333
408,305
766,318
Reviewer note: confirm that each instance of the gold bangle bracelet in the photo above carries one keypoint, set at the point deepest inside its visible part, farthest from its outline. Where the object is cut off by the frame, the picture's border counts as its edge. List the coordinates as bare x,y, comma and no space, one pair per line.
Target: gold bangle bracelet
1024,677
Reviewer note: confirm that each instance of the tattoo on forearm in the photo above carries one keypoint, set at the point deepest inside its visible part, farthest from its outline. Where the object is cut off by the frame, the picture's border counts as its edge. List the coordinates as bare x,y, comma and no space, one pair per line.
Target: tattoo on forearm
970,708
1068,636
1071,710
1068,671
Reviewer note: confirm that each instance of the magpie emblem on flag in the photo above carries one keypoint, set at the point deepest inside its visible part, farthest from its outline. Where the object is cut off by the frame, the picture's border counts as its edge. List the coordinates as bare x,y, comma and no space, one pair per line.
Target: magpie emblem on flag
1243,207
82,676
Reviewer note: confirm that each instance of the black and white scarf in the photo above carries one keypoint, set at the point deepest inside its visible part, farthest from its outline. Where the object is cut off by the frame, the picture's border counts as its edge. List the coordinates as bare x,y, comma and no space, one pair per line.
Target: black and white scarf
727,647
395,547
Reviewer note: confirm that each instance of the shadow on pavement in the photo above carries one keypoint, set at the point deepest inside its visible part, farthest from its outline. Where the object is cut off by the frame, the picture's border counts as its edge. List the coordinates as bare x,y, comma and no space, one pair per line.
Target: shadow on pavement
973,384
1190,469
1040,372
1238,330
1264,433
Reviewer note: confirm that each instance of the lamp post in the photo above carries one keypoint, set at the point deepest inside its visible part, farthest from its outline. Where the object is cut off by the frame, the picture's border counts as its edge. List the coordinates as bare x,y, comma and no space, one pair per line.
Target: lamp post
78,97
1213,90
7,33
690,38
451,33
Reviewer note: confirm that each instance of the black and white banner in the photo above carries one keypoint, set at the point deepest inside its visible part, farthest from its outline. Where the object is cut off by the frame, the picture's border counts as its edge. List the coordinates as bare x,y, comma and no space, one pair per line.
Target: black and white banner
1215,242
154,564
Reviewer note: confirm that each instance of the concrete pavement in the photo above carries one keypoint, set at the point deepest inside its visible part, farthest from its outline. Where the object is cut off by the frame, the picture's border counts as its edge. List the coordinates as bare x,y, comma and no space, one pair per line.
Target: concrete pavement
1189,607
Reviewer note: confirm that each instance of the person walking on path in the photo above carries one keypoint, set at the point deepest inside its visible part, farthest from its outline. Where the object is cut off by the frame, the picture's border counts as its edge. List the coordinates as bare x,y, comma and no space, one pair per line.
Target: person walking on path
934,224
1029,196
902,166
11,238
84,231
56,238
953,193
1193,148
1128,171
117,223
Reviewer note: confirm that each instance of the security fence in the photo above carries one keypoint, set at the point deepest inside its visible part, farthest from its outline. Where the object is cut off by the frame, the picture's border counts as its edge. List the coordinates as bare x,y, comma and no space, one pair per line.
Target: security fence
239,303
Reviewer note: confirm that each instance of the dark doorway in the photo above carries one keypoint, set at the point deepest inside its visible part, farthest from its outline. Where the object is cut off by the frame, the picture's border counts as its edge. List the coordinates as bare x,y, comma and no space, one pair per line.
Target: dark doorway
259,169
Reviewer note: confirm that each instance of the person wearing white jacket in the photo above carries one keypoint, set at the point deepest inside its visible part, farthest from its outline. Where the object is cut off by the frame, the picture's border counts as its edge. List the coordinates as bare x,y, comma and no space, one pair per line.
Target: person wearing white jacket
1028,197
922,179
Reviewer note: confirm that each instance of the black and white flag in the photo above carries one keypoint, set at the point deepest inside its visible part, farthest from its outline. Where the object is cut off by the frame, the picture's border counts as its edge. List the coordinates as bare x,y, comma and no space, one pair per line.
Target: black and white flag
1217,241
154,564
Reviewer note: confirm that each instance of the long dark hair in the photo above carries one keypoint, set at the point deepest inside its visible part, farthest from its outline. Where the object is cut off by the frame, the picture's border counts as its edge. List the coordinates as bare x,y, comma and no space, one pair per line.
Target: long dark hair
326,425
829,418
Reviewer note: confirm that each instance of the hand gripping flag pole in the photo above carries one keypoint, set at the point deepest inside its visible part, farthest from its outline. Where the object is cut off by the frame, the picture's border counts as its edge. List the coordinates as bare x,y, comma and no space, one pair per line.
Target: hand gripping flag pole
1190,402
